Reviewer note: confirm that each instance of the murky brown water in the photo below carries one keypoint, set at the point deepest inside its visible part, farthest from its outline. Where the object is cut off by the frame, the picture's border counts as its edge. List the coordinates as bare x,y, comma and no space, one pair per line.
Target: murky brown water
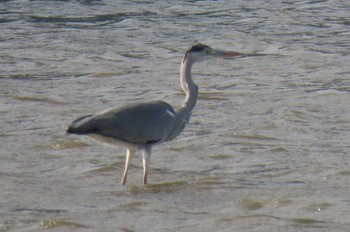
267,147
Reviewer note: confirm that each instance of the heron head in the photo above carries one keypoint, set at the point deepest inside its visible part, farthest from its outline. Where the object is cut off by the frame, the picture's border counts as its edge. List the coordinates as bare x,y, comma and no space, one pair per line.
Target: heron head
199,52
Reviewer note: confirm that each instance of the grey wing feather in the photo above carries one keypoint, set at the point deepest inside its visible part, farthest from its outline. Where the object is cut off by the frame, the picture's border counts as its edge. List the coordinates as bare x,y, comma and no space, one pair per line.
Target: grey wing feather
138,123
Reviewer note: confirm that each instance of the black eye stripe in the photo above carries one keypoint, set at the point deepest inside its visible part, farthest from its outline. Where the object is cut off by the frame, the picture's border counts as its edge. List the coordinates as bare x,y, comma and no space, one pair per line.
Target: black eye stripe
198,48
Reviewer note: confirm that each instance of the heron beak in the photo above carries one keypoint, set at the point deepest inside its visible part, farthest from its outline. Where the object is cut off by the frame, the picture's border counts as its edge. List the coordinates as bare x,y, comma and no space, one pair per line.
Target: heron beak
233,55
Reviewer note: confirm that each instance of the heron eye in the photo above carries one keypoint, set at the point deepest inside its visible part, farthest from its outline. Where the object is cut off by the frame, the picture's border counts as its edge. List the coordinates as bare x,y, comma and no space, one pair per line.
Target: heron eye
209,52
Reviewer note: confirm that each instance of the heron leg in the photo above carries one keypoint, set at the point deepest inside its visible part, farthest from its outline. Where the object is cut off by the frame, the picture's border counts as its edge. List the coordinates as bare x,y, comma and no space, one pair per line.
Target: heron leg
129,154
146,155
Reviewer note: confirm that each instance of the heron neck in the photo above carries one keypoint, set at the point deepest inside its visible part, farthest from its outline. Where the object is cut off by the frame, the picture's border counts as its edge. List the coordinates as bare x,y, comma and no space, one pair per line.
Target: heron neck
190,88
184,112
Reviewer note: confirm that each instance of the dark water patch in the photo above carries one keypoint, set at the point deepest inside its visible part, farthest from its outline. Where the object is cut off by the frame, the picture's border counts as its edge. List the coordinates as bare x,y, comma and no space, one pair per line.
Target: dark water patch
134,205
165,187
258,137
43,76
318,207
79,19
86,21
45,211
308,222
338,84
256,204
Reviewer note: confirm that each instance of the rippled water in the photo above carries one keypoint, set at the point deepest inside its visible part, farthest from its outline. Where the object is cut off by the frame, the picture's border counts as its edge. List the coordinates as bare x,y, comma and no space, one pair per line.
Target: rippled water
267,148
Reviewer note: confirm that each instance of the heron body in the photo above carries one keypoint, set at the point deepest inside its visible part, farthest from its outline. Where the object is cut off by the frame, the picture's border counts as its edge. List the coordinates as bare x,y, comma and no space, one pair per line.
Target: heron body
140,126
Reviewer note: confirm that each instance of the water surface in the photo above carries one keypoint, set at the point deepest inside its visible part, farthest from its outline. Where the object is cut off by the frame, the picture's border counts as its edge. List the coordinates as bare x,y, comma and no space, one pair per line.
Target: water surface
267,147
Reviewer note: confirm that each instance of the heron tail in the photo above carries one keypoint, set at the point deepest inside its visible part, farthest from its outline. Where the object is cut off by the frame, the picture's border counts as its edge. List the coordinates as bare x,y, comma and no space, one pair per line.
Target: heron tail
80,125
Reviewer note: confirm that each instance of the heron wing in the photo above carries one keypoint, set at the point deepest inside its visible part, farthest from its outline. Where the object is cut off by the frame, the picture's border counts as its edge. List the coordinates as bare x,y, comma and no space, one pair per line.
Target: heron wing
147,122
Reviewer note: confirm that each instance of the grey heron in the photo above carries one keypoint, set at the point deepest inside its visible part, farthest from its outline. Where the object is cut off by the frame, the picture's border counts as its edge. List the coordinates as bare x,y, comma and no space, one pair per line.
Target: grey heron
140,126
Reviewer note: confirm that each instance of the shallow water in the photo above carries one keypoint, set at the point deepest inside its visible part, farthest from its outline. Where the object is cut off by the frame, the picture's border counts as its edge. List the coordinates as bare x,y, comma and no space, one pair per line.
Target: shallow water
267,147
